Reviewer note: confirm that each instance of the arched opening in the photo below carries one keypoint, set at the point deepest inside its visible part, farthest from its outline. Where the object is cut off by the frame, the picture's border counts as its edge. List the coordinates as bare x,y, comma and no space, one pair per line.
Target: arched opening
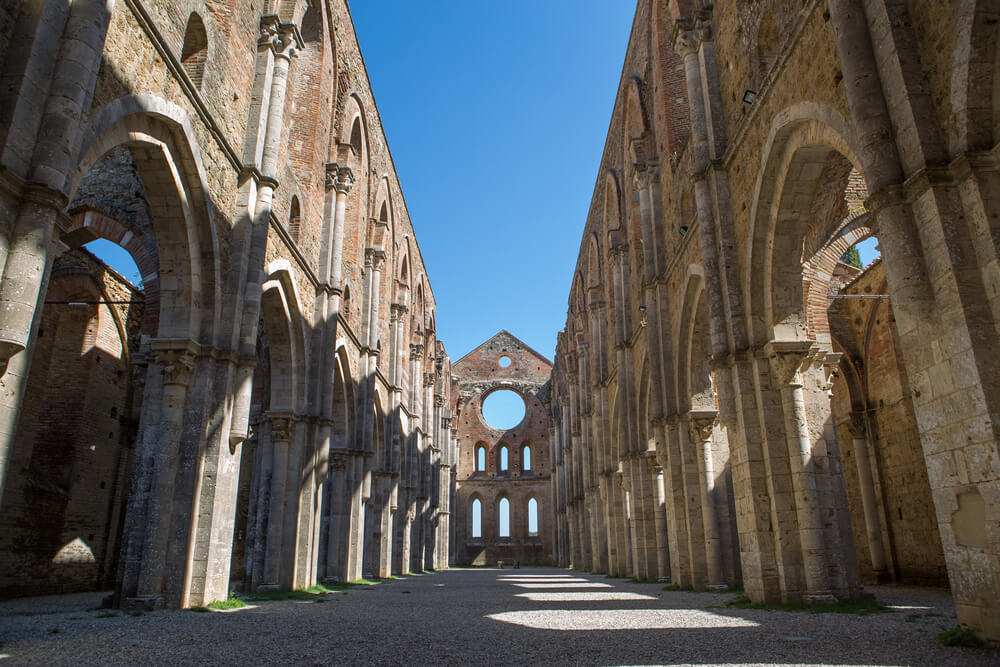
526,457
477,519
532,517
503,518
480,457
294,219
357,137
811,208
194,54
265,541
504,458
127,162
334,539
77,433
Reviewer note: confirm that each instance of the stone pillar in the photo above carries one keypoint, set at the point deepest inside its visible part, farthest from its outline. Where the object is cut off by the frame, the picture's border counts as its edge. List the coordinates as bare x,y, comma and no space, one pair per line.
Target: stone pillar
30,218
787,359
869,502
144,577
662,541
702,424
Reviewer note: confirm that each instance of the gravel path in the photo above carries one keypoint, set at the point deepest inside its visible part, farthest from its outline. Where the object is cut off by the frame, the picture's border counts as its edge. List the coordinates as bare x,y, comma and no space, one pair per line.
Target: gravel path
485,617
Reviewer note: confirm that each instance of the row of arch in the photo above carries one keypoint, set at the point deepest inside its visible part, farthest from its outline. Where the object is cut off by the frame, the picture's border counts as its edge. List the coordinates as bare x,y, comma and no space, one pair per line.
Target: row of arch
502,454
692,383
502,516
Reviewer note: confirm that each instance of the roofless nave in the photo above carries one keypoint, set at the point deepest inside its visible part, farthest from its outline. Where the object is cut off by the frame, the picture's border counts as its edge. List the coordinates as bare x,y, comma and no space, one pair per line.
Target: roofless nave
729,404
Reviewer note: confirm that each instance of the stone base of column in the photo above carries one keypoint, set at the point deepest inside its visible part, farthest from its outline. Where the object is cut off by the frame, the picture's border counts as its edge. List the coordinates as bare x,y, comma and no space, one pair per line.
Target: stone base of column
816,599
716,588
144,603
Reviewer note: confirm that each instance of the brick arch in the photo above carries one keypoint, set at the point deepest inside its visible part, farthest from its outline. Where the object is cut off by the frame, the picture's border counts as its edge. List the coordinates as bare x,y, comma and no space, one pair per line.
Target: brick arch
804,140
818,269
87,225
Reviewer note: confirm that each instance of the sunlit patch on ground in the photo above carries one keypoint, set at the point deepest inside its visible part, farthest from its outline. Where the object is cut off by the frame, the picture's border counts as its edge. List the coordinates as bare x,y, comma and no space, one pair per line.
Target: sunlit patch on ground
584,596
620,619
540,580
569,585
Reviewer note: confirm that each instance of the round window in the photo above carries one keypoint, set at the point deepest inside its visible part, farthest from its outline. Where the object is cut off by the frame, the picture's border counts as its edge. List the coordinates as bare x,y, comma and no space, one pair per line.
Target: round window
503,409
504,361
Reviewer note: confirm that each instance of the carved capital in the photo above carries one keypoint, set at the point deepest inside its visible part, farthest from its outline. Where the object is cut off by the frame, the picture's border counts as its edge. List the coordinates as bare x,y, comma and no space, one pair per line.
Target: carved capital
701,423
439,402
416,349
398,310
270,26
618,253
856,426
788,359
176,365
429,379
282,424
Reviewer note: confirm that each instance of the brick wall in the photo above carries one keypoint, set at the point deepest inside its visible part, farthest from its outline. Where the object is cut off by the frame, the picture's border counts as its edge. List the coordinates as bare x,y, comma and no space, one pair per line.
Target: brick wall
62,506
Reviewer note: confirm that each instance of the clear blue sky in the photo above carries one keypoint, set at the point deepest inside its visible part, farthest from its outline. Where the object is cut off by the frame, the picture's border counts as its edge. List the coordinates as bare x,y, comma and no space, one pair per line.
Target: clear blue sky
496,115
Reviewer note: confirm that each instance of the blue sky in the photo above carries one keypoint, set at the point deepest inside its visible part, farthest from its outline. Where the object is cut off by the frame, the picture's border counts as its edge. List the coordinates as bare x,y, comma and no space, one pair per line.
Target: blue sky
496,115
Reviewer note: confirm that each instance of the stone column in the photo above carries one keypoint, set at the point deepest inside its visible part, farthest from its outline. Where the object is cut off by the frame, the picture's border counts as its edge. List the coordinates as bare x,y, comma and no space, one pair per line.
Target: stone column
162,442
787,359
702,424
662,541
26,250
869,502
282,428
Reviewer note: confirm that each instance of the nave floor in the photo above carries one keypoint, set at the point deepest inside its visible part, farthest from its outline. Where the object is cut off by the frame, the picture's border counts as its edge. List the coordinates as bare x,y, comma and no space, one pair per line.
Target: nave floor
543,616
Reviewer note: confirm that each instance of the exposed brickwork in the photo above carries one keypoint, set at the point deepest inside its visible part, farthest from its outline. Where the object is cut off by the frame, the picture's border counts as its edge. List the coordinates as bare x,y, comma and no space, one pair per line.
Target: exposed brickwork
60,526
479,373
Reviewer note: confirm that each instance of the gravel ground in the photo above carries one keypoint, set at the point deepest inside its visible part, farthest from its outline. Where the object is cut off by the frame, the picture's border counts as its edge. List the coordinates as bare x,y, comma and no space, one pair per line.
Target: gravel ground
486,617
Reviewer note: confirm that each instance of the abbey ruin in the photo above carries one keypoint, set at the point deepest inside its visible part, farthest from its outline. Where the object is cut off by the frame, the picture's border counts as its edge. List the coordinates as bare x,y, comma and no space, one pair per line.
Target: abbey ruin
730,403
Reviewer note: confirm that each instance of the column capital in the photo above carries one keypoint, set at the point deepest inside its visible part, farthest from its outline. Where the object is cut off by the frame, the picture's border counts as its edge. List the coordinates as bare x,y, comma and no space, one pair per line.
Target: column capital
787,359
339,177
701,423
282,424
398,309
176,359
645,174
416,349
856,425
429,379
375,258
618,253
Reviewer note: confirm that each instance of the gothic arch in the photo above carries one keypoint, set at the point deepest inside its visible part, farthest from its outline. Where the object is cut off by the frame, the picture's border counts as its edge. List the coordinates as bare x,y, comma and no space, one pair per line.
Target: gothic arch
159,136
799,148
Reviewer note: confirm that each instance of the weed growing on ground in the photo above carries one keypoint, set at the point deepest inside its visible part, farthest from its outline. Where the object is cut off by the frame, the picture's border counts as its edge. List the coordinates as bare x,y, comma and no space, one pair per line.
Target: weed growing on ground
136,613
858,607
107,614
54,631
199,610
230,603
405,592
959,636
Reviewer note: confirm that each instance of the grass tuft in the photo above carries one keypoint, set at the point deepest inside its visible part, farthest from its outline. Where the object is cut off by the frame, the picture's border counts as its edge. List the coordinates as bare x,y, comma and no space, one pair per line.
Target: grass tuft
200,610
959,636
230,603
862,607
